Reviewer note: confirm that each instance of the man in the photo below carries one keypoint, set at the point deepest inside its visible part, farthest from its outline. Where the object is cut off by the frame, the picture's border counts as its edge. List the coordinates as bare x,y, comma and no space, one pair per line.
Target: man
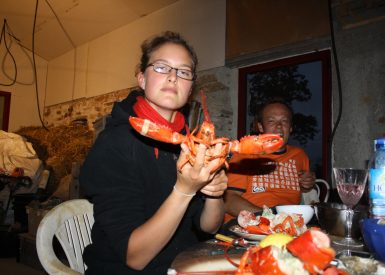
272,179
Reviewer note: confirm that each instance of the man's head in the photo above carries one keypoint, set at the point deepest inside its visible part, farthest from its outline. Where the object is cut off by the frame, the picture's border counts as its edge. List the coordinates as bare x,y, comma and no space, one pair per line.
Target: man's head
275,117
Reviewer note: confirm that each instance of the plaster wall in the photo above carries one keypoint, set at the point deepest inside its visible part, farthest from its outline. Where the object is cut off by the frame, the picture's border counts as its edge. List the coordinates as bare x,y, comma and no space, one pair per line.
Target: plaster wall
23,109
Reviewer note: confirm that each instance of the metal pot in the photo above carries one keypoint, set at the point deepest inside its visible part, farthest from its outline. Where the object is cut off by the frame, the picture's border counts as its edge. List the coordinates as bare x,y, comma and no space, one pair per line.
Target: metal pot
332,218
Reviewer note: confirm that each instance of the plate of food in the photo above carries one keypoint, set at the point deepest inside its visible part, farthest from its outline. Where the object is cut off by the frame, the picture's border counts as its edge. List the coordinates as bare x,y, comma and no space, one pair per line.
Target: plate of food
258,226
241,232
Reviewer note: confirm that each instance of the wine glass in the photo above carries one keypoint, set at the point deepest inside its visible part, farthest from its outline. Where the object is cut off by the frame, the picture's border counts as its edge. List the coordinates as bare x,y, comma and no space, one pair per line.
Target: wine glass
350,186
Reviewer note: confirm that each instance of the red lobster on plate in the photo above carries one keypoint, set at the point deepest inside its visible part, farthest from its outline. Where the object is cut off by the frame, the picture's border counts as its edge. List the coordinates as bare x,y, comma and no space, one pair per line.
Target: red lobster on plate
309,253
255,144
269,223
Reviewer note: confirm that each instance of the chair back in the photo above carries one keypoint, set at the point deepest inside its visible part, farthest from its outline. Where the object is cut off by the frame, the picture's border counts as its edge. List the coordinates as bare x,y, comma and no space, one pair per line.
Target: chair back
323,189
71,223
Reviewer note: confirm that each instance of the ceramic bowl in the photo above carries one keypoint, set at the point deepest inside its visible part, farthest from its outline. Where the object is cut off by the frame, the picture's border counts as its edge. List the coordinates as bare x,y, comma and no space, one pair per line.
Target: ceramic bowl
373,232
307,211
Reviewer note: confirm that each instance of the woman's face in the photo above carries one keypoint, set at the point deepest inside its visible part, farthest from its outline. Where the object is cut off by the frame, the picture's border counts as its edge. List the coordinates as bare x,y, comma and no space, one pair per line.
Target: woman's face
167,93
276,119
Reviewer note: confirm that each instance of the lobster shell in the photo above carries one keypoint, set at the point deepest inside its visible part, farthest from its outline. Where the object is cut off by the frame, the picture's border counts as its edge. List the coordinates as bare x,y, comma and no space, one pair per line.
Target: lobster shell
313,249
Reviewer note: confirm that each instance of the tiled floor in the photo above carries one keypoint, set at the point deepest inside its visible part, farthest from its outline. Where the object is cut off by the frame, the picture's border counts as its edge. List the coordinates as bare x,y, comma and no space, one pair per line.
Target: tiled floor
9,266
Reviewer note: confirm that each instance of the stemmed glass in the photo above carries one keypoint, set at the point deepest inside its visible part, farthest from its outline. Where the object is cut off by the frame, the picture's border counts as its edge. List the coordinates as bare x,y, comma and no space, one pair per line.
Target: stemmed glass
350,186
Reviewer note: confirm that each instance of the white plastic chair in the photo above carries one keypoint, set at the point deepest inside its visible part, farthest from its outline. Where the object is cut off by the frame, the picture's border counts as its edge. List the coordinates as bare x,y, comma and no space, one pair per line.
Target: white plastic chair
71,223
323,189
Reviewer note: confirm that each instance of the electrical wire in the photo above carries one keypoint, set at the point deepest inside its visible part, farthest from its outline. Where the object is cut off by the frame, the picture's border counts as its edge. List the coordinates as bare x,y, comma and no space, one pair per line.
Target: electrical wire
339,86
3,36
34,65
22,47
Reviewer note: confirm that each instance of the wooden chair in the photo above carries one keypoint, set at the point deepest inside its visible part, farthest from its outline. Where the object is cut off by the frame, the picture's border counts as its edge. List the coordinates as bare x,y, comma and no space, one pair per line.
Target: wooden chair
71,223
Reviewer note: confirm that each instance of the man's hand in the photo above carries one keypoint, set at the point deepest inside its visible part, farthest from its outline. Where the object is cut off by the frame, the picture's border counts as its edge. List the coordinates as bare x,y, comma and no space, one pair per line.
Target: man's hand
306,181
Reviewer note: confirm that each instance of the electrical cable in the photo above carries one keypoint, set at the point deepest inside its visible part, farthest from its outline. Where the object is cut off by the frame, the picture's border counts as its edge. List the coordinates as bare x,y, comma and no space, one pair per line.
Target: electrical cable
23,48
3,33
339,86
34,65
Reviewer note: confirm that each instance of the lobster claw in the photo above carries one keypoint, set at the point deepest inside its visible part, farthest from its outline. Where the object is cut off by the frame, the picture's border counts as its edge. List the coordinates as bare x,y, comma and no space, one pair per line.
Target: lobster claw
152,130
257,144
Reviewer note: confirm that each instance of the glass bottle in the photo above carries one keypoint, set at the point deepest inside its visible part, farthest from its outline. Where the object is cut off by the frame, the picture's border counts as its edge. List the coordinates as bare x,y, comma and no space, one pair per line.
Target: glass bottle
377,180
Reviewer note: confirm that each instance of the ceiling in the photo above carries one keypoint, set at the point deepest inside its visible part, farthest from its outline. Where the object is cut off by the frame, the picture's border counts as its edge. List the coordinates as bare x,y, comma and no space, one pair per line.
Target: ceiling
62,25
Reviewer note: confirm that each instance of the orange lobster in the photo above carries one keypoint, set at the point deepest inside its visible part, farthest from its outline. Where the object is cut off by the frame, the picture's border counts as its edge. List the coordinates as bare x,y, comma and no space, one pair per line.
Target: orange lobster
293,224
255,144
311,252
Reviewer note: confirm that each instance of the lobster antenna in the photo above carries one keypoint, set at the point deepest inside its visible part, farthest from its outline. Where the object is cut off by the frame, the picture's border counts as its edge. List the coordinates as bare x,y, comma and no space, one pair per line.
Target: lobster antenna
206,115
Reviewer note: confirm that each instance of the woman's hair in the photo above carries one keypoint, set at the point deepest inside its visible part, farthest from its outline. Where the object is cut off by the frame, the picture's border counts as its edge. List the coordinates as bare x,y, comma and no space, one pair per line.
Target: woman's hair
150,45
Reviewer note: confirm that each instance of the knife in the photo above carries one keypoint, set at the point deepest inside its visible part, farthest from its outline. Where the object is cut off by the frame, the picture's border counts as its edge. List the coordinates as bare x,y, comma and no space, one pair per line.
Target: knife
236,242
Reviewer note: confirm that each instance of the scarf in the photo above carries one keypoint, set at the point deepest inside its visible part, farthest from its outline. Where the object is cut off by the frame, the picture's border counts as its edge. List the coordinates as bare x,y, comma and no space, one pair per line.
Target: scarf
144,110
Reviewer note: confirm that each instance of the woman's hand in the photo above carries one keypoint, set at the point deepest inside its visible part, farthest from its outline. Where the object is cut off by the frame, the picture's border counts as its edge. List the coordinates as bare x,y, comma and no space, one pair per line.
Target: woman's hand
217,186
192,178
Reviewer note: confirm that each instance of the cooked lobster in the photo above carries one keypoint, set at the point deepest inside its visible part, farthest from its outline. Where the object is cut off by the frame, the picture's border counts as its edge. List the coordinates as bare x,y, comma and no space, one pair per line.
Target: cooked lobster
269,223
310,253
254,144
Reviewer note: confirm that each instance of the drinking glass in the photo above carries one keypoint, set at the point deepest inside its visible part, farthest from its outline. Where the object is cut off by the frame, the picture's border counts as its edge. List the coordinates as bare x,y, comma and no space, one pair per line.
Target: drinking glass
350,186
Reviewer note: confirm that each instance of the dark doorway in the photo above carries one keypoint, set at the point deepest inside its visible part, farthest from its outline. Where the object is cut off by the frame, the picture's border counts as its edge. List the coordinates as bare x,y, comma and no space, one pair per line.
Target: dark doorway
5,104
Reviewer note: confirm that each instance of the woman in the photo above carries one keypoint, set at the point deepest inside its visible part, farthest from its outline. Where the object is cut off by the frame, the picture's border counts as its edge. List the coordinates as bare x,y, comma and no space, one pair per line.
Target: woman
146,211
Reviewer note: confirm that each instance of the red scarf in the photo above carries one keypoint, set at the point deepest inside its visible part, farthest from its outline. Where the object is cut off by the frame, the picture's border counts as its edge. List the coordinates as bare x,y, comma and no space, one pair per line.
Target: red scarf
144,110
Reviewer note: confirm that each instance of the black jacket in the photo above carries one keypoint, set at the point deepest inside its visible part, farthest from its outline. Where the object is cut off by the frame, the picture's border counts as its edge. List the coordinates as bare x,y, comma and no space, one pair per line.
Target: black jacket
127,183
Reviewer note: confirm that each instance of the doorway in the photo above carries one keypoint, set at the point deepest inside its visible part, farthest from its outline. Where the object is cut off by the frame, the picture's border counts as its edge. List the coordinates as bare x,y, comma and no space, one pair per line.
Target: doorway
5,105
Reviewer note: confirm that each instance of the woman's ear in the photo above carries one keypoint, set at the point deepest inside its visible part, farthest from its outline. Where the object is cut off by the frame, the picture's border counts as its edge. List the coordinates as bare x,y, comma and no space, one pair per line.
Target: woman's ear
141,80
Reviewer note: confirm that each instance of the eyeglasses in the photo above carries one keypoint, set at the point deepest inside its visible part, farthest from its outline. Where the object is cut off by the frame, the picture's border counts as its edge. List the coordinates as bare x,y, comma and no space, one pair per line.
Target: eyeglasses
166,69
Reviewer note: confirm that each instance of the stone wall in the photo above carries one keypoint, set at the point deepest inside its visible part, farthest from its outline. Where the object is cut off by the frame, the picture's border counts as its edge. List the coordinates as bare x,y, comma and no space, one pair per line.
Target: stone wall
83,109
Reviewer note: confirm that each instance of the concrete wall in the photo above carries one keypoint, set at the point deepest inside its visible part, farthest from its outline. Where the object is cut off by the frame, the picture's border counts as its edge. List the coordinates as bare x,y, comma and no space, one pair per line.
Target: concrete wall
361,56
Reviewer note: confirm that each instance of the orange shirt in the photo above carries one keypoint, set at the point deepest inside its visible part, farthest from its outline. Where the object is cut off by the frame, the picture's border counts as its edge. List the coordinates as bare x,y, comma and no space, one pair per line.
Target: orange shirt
268,179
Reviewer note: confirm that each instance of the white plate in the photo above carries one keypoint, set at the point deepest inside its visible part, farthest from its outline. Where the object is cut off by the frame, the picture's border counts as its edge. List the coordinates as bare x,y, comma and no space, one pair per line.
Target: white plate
239,231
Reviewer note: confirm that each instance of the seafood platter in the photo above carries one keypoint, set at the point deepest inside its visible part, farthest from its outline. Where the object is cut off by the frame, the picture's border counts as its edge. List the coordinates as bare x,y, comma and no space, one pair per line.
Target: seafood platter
284,246
251,226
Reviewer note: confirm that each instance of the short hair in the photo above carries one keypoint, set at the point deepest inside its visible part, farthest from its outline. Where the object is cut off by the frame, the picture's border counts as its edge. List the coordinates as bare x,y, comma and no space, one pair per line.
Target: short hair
150,45
270,101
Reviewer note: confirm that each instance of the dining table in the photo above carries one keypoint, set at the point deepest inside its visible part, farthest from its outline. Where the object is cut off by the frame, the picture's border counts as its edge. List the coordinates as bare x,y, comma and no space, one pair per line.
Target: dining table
217,257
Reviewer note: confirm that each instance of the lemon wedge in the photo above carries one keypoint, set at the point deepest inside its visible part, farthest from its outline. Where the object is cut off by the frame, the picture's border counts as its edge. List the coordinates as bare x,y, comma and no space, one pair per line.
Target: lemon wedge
277,239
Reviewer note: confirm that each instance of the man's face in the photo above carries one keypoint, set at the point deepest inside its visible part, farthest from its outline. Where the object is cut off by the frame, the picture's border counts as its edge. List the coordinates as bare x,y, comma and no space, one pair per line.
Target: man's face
276,119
